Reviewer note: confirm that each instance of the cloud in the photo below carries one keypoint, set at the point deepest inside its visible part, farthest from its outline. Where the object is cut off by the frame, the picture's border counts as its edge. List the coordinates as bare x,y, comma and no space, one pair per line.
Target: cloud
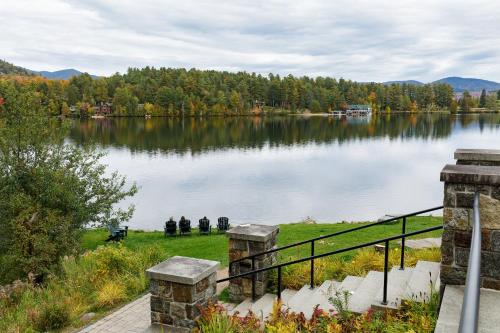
360,40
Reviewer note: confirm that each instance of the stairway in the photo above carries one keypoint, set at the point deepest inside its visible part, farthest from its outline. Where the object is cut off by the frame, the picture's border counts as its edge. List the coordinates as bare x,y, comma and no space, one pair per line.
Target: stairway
365,292
451,307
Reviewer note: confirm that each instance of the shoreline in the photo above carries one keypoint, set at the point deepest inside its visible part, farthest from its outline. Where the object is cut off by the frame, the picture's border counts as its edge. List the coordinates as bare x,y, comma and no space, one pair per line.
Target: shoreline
306,115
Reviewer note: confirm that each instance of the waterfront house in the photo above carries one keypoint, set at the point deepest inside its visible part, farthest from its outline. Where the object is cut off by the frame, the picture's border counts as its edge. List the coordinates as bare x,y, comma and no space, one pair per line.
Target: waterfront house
103,108
358,109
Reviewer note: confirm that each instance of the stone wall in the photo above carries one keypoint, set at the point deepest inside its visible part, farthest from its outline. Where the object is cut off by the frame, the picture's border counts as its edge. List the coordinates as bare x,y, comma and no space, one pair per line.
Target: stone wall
179,286
460,183
245,240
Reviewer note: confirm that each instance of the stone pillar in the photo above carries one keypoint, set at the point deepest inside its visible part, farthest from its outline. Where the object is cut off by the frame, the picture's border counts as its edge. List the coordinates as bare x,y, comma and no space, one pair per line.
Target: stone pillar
245,240
460,183
179,286
485,157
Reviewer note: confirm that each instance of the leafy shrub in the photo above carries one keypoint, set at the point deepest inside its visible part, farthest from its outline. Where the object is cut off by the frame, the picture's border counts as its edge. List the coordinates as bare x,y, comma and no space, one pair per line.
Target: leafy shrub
52,316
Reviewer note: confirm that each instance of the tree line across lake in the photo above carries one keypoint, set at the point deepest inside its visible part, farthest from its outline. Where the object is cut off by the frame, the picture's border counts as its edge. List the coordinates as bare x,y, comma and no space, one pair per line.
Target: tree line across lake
169,92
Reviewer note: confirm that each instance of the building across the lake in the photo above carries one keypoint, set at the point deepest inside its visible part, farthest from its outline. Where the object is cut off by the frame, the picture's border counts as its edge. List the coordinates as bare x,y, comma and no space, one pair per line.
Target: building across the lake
103,109
355,110
358,109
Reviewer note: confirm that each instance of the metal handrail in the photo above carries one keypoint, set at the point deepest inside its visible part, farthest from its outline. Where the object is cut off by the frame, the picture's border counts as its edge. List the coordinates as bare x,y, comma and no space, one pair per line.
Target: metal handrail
470,304
313,240
339,233
253,272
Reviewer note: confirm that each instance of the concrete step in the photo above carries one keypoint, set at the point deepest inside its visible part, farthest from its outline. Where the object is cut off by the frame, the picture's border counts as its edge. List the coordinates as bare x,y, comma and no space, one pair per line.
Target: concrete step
363,297
324,293
302,296
319,297
267,308
424,275
397,282
263,306
451,308
351,283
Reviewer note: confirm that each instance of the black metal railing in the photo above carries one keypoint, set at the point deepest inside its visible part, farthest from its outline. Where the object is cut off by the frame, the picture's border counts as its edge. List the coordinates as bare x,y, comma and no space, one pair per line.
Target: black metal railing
470,304
311,258
313,240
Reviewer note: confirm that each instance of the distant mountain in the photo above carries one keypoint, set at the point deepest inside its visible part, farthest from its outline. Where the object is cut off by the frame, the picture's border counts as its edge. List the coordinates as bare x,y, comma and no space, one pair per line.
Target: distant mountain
414,82
7,68
461,84
64,74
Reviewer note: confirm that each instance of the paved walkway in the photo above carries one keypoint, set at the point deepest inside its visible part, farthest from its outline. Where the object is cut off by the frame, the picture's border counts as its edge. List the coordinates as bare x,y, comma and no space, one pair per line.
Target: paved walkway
135,317
422,243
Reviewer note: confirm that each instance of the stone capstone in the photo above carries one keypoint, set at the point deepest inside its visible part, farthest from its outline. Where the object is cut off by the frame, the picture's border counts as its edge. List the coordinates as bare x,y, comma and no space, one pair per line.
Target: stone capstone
183,270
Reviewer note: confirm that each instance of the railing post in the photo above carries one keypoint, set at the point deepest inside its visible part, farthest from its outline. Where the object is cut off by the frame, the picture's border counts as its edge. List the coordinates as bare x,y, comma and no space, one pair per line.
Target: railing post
312,265
254,297
402,267
386,267
279,283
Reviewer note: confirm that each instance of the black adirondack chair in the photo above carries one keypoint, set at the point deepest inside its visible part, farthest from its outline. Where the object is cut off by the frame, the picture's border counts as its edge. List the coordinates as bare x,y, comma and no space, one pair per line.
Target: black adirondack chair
204,226
184,226
222,224
170,228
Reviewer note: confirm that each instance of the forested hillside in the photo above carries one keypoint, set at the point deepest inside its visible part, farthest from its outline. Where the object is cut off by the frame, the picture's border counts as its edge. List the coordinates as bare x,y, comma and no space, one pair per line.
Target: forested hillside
7,68
168,91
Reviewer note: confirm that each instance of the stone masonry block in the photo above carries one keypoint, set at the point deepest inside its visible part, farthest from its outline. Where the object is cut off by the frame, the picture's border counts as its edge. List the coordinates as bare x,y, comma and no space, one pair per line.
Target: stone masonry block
447,257
464,200
495,241
490,264
453,275
463,239
495,193
489,212
457,218
491,283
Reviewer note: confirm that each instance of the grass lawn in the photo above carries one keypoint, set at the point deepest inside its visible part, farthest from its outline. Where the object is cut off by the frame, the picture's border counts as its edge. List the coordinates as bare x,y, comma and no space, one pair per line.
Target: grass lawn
215,246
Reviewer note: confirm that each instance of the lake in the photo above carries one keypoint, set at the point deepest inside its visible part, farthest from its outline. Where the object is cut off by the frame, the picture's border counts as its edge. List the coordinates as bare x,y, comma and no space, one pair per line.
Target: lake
273,170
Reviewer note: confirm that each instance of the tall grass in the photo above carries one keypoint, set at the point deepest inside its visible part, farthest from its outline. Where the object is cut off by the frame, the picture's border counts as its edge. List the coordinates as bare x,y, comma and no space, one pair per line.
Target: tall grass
93,282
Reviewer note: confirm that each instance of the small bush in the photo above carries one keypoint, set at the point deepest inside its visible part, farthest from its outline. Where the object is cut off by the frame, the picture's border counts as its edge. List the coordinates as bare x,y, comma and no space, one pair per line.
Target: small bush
111,293
52,316
214,319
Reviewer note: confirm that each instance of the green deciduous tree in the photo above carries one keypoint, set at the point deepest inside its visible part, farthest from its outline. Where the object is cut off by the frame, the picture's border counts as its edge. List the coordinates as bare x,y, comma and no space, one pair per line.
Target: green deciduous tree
50,189
466,102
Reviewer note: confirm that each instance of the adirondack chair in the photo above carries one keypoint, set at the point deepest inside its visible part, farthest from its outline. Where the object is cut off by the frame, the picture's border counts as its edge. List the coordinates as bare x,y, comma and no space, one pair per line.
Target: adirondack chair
170,228
184,226
204,226
116,234
222,224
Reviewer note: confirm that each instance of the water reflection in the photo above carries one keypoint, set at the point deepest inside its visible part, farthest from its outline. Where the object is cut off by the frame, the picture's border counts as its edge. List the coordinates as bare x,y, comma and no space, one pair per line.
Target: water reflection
279,170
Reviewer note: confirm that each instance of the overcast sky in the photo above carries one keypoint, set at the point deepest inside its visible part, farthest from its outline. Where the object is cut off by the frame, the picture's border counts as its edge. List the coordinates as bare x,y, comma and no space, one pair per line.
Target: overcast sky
360,40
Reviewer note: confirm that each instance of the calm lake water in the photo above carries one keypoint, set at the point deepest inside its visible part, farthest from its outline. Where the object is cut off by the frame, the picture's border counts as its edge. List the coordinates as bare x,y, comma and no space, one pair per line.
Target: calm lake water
275,170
